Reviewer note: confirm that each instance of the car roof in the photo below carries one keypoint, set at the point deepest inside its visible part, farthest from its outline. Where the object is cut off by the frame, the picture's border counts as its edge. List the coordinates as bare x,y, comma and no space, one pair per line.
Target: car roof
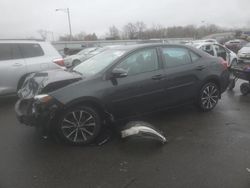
20,41
139,46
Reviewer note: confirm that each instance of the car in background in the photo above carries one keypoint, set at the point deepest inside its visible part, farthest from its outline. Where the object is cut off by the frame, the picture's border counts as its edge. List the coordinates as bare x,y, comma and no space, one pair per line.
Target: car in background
18,58
74,60
236,45
244,54
81,56
217,50
119,83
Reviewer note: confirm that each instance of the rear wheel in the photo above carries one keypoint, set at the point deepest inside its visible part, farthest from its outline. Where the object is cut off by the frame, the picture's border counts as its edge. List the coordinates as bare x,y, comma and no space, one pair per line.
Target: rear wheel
79,125
245,88
208,97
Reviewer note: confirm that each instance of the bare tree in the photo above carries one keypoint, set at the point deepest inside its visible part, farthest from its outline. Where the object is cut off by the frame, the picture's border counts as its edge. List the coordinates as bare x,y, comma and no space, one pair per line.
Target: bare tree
130,31
113,34
43,34
140,27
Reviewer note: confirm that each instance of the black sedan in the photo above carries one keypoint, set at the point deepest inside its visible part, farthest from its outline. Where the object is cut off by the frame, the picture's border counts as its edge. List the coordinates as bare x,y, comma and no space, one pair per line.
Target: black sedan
119,83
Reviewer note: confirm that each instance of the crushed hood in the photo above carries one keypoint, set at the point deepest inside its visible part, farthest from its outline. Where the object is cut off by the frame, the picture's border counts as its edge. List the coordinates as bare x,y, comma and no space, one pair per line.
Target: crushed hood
47,81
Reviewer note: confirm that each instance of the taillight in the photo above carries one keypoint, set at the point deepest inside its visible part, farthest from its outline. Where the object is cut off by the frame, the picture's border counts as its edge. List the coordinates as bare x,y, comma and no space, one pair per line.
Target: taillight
59,62
224,63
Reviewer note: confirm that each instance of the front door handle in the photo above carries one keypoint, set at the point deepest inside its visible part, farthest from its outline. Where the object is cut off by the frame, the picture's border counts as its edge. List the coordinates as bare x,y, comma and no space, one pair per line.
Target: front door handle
157,77
200,67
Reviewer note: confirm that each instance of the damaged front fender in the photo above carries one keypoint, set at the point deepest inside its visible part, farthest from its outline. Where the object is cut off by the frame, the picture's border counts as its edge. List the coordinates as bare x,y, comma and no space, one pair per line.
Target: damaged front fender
144,130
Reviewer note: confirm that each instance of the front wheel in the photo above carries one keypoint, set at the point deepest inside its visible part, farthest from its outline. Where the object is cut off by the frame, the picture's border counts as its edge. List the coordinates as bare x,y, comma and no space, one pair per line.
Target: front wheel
79,125
208,97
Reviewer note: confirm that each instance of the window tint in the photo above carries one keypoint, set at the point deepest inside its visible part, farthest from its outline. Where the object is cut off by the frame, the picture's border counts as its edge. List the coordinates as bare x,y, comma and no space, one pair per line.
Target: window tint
194,56
175,56
31,50
16,54
5,52
9,51
140,62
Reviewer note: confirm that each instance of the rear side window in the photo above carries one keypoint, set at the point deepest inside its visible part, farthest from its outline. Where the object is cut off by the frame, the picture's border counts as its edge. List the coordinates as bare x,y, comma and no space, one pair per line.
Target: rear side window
194,56
175,56
9,51
5,52
31,50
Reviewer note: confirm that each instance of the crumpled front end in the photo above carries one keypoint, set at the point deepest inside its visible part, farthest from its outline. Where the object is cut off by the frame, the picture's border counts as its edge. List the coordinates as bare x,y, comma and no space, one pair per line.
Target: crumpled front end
37,113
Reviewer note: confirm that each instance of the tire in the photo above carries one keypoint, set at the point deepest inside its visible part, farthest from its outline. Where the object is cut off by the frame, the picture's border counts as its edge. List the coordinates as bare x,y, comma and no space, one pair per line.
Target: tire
245,88
76,62
208,97
79,125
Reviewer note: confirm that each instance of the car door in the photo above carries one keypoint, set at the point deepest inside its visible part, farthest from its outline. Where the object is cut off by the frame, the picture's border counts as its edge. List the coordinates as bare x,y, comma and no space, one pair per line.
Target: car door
183,70
12,67
208,48
222,52
142,90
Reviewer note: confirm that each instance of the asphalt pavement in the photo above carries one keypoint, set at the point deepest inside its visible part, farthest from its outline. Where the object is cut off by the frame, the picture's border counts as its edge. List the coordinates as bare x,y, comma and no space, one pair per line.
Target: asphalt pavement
205,150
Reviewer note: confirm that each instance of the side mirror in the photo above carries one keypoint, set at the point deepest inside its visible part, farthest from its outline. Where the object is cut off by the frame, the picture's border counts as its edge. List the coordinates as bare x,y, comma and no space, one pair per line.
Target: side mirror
119,73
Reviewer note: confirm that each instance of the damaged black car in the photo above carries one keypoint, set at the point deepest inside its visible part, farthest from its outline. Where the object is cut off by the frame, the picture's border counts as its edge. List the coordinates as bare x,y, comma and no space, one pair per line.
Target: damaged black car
119,83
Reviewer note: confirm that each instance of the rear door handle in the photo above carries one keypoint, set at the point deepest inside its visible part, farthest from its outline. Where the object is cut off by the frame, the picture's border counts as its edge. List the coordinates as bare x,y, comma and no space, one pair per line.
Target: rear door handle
200,67
157,77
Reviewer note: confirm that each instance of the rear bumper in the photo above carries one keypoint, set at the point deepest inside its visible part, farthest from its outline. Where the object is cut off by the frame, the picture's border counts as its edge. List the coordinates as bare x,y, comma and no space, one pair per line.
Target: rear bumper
30,113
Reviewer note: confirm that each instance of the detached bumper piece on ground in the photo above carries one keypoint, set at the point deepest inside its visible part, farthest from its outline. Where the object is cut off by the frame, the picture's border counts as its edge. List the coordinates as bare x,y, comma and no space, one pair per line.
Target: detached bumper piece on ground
142,130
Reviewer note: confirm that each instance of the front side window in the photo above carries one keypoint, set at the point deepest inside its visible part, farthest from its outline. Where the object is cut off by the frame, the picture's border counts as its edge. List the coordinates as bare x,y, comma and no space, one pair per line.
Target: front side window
140,62
175,56
31,50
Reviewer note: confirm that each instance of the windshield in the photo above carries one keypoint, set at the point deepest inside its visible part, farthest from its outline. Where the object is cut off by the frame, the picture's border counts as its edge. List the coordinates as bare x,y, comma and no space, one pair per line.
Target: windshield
86,51
99,62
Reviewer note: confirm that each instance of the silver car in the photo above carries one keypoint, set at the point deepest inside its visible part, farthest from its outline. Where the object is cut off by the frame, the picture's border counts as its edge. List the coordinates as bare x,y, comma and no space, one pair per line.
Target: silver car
18,58
244,54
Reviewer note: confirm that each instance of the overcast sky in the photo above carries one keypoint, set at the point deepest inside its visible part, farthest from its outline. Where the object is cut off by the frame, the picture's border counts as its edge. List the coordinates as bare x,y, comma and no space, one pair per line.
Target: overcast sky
23,18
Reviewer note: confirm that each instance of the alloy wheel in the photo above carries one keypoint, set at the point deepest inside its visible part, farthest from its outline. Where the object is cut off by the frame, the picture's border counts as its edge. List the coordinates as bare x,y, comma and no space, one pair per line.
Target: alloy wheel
209,97
78,126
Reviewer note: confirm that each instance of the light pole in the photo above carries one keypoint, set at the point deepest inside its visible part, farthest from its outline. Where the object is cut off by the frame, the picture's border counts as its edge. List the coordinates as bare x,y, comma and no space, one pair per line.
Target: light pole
68,13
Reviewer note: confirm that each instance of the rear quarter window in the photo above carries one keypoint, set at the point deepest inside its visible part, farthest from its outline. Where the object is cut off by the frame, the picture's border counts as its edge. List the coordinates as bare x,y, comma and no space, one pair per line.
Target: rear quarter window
31,50
194,56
